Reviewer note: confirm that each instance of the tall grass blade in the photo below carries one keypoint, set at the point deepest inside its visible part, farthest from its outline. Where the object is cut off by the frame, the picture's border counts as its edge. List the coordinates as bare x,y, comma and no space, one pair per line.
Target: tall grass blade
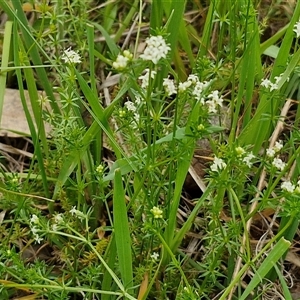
121,230
273,257
4,62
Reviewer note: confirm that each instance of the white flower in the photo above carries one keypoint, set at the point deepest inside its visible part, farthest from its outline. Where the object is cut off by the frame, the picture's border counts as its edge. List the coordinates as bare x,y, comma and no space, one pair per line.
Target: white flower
154,256
34,230
34,219
37,238
270,85
265,83
273,86
270,152
193,78
156,49
120,63
218,164
247,159
71,57
278,146
183,86
77,213
288,186
58,219
278,78
278,163
122,60
130,106
73,211
297,29
145,78
214,101
169,86
157,212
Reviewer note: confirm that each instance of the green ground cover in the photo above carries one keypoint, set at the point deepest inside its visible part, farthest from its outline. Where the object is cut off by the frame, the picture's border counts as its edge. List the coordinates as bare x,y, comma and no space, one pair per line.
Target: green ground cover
171,170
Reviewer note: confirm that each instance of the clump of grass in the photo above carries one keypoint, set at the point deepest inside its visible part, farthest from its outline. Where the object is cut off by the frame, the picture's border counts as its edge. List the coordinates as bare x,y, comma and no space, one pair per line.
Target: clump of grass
104,211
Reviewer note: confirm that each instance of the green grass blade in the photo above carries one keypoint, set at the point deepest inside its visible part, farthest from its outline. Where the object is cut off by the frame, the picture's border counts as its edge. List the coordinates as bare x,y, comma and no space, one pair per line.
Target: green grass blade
4,62
286,293
32,47
111,262
121,230
273,257
35,138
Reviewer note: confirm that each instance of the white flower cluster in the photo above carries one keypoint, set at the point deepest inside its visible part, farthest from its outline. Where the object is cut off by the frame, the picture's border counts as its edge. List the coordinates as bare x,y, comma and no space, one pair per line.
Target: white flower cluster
276,162
71,57
156,49
271,85
218,165
246,157
214,101
130,106
275,149
58,220
157,212
287,186
34,222
169,86
297,29
145,78
122,60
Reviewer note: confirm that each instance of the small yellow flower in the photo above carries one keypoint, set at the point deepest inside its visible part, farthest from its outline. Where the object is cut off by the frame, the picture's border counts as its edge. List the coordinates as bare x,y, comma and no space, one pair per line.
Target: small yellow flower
157,212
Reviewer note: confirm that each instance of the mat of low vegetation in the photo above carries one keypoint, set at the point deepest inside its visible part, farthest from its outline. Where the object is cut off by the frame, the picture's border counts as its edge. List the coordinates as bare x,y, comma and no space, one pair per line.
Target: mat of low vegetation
160,155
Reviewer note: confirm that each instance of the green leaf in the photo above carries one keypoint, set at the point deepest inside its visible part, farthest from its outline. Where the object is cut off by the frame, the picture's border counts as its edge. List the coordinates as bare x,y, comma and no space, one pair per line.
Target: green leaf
121,230
273,257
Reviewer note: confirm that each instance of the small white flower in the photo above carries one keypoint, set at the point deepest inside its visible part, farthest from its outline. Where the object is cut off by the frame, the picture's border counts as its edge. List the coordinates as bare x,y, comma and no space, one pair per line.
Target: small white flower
270,152
278,163
278,78
130,106
278,146
34,219
183,86
265,83
73,211
169,86
193,78
77,213
218,164
154,256
71,57
214,101
34,230
120,63
297,29
156,49
37,238
273,86
270,85
157,212
288,186
247,159
58,219
122,60
145,78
